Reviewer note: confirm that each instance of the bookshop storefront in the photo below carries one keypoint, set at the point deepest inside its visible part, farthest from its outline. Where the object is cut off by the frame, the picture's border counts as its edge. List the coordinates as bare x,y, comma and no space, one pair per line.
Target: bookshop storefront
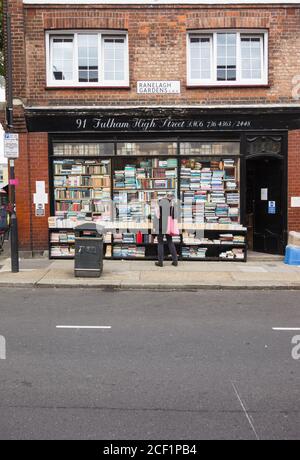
228,171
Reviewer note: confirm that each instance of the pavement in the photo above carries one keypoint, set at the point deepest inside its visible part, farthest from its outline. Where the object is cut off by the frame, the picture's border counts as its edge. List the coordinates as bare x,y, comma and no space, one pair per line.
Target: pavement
175,365
260,272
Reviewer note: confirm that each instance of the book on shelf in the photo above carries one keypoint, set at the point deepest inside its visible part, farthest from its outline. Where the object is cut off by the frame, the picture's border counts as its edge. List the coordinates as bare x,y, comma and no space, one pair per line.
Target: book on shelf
138,185
128,251
193,252
234,253
205,183
62,251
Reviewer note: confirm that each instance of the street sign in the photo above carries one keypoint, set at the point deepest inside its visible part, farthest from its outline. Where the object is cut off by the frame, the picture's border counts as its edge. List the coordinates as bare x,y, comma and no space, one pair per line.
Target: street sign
11,145
158,87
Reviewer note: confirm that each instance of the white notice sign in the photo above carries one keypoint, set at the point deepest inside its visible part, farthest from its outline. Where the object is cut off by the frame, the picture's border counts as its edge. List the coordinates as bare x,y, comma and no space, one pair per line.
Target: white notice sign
40,198
158,87
264,194
295,202
11,145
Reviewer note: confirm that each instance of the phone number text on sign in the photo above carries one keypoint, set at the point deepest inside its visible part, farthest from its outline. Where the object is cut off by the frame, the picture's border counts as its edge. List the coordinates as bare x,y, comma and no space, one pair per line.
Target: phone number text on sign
157,124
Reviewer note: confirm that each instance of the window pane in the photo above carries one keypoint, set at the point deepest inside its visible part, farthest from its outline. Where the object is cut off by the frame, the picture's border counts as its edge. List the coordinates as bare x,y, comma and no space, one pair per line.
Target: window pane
221,74
114,58
226,57
88,58
62,58
210,148
147,148
83,149
200,58
251,56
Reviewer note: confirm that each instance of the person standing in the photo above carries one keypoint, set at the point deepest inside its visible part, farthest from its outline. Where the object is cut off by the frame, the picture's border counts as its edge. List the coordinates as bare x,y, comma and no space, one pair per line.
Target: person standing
166,215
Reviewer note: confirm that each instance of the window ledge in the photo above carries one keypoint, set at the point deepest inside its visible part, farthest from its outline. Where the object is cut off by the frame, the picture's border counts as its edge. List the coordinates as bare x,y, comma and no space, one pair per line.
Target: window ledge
127,87
238,85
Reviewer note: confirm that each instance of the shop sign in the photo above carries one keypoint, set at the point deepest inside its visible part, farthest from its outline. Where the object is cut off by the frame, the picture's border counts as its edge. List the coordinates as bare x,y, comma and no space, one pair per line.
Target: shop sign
157,124
146,121
158,87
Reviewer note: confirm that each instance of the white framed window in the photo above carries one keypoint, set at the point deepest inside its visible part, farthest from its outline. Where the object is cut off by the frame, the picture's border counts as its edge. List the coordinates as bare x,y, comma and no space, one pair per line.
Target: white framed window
87,58
225,57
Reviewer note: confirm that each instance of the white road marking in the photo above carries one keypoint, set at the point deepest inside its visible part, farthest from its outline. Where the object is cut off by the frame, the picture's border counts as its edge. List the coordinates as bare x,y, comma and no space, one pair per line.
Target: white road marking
286,328
249,418
83,327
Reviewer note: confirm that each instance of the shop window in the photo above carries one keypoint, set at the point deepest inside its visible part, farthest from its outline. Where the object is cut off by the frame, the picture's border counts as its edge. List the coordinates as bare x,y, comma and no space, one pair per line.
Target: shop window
87,59
227,58
91,183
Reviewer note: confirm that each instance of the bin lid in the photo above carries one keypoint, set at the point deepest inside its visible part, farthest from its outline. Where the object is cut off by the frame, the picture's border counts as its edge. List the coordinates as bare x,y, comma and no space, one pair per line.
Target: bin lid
90,227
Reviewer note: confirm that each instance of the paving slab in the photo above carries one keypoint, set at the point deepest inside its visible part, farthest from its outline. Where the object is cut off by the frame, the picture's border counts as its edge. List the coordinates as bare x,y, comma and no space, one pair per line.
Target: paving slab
270,276
183,277
28,278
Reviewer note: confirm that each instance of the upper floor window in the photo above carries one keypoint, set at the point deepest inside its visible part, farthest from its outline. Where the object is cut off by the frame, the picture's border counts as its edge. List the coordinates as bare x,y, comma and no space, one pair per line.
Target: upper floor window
227,58
87,59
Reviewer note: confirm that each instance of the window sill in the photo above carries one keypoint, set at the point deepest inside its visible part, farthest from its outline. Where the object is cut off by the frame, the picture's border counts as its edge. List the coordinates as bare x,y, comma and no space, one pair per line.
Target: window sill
127,87
238,85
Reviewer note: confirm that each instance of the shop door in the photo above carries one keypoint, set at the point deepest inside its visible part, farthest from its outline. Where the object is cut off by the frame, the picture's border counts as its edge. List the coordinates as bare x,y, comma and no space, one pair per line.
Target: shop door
264,205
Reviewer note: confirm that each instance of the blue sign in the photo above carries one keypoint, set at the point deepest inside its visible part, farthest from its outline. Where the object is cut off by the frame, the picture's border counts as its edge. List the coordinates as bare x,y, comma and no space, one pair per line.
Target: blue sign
272,207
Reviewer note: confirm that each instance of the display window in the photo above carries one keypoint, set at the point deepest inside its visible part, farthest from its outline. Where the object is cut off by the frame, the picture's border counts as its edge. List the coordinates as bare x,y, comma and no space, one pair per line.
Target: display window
119,184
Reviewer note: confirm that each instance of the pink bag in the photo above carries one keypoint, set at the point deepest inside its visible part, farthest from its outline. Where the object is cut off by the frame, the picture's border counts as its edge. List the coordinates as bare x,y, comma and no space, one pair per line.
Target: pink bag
172,228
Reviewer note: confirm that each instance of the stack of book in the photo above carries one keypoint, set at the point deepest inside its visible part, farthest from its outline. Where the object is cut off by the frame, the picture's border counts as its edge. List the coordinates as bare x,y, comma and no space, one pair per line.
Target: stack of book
233,198
119,179
206,176
193,252
62,251
235,253
130,251
130,176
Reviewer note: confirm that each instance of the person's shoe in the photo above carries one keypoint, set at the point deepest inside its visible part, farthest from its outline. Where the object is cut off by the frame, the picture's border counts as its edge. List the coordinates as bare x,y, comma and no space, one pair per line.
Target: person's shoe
175,263
159,264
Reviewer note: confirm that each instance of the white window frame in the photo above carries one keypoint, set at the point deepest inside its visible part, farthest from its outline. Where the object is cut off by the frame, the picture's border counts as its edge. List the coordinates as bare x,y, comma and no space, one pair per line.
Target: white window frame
51,82
239,80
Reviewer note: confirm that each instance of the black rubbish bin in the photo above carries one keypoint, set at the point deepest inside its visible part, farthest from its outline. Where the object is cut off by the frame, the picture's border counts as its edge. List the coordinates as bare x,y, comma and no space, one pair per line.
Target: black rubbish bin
88,250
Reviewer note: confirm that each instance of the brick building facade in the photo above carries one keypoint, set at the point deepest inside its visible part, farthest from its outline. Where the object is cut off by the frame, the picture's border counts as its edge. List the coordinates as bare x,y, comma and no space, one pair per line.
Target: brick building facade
263,116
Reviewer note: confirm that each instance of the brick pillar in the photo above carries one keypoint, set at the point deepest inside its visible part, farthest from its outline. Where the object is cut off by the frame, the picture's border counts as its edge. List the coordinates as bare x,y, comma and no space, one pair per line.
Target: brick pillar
39,171
293,179
23,193
32,166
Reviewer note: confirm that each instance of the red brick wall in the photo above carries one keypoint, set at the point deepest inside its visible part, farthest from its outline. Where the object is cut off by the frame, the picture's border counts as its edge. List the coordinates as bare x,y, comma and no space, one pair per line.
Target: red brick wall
293,179
23,194
157,50
32,166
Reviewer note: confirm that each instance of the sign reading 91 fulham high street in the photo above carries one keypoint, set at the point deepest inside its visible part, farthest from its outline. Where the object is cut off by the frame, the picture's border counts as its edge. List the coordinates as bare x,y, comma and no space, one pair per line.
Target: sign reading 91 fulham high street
158,87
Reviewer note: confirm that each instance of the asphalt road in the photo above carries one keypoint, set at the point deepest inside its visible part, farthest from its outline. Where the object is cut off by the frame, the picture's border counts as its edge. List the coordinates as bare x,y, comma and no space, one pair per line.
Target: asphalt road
189,365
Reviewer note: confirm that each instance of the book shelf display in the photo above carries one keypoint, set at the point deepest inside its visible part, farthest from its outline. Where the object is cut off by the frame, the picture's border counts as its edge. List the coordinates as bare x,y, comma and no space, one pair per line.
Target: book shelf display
137,186
210,196
82,192
89,177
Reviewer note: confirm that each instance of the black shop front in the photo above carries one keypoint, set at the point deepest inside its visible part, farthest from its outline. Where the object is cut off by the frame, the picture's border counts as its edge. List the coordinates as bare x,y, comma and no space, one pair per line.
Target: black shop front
228,169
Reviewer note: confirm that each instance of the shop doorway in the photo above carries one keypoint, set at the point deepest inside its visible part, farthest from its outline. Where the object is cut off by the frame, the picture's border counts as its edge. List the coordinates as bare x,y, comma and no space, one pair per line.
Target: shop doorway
264,204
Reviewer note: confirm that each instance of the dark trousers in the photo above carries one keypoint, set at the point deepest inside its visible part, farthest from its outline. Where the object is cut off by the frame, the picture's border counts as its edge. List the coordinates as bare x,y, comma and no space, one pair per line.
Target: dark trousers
171,245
